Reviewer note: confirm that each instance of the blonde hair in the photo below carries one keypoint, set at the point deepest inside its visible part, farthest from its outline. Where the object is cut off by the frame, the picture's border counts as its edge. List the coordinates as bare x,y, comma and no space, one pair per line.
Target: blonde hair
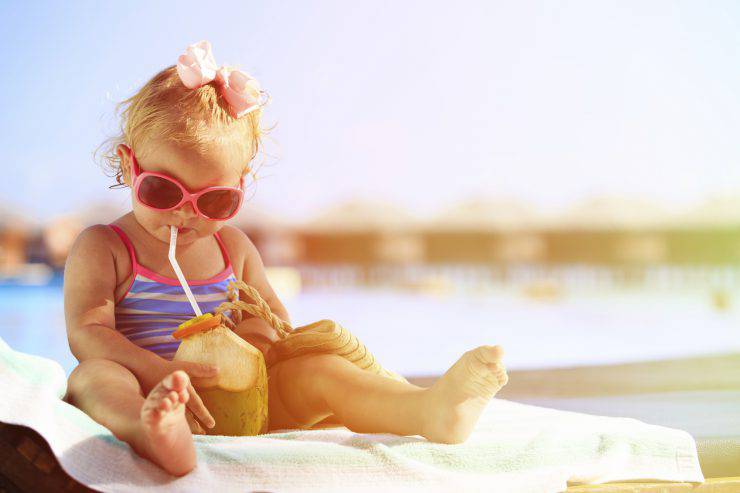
164,109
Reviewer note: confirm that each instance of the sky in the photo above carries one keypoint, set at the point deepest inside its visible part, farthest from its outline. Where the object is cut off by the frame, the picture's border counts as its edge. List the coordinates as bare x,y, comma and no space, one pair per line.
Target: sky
420,104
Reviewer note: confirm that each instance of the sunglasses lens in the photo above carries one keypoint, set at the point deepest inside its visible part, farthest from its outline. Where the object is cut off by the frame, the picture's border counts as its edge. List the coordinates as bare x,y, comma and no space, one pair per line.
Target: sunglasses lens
219,204
158,192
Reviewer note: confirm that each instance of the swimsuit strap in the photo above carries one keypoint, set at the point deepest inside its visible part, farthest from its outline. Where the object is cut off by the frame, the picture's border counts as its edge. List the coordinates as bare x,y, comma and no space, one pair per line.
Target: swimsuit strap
132,253
129,246
227,261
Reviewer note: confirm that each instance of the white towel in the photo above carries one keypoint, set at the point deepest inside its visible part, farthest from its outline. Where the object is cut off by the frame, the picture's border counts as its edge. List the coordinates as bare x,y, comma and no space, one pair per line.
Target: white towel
514,448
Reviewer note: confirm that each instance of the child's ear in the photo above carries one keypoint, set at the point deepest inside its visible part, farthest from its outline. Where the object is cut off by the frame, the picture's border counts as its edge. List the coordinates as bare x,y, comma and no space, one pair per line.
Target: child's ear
124,154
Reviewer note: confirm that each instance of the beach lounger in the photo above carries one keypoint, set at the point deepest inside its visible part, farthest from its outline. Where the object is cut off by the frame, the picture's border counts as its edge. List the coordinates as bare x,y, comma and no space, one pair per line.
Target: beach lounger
515,447
27,464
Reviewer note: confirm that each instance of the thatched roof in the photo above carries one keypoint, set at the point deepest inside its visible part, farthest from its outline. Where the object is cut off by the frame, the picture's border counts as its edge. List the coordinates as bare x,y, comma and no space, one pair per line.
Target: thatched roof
721,210
614,212
11,217
252,216
362,214
486,214
103,211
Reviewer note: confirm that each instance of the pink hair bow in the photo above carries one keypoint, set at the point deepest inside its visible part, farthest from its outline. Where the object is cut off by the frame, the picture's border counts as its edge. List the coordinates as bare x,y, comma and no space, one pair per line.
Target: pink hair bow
197,67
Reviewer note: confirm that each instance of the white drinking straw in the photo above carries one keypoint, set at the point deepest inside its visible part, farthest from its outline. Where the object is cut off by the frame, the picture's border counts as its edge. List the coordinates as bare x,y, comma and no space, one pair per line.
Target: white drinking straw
183,282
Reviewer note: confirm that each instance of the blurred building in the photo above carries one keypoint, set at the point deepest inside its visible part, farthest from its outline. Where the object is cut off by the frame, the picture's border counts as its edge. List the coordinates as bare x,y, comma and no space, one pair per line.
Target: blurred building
362,231
275,237
15,234
21,259
59,235
484,231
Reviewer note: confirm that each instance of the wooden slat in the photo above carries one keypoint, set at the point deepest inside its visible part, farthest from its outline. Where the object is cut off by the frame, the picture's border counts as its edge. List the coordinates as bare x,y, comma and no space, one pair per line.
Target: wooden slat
715,485
27,464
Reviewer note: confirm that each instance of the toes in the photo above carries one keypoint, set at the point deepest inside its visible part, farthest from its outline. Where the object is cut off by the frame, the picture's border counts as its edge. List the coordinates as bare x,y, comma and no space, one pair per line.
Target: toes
168,402
488,354
165,405
151,415
492,381
162,400
157,393
493,353
184,395
173,398
177,381
155,409
500,373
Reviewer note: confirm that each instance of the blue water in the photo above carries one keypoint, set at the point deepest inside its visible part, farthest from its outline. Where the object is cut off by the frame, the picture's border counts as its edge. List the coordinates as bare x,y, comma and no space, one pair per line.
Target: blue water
422,334
32,320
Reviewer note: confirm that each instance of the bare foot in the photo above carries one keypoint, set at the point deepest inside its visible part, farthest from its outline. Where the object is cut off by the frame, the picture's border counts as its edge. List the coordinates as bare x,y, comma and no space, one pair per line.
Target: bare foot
165,434
460,395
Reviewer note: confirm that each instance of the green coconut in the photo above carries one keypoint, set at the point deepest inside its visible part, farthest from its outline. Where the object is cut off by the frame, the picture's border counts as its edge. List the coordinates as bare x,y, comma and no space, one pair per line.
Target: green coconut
237,396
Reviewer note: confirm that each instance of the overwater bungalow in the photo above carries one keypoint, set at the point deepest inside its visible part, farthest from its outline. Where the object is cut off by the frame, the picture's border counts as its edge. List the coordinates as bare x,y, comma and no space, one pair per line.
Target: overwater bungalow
363,231
274,236
487,231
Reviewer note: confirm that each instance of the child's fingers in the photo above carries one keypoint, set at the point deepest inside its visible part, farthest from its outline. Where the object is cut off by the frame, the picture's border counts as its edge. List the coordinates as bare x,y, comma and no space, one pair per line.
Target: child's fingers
195,427
202,370
195,404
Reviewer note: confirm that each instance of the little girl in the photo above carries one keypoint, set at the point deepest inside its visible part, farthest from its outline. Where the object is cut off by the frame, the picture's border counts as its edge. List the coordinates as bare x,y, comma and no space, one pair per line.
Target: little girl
188,138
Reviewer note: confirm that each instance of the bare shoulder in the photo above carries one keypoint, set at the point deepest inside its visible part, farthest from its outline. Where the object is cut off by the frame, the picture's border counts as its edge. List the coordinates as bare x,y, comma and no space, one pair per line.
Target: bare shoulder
239,247
90,278
235,236
96,239
103,239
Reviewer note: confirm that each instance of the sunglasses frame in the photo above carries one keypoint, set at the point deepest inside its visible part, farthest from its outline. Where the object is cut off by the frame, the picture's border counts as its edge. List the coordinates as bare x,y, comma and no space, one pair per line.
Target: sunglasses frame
138,177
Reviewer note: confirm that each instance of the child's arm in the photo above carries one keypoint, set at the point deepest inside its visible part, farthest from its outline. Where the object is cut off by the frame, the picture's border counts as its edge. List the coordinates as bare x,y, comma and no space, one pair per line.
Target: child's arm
253,273
89,286
255,330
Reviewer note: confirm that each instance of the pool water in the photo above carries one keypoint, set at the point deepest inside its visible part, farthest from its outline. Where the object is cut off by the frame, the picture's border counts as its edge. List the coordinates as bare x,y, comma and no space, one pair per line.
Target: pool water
32,320
419,334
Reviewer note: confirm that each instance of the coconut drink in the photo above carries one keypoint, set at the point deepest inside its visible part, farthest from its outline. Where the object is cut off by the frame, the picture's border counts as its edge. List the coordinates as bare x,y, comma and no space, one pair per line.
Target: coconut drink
237,396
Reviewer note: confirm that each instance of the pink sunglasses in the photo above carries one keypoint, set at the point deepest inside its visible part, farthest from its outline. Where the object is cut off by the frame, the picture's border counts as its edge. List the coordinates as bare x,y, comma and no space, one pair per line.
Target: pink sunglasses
163,193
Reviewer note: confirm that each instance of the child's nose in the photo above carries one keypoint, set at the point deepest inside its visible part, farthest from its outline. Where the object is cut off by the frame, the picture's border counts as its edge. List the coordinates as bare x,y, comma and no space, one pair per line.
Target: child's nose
187,210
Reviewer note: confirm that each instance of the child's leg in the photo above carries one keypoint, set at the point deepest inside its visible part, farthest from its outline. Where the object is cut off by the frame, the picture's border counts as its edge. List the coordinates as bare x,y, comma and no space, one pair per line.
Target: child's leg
154,426
307,389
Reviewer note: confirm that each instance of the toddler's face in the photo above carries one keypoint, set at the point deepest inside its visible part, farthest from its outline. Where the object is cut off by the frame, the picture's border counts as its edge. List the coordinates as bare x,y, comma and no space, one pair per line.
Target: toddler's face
220,167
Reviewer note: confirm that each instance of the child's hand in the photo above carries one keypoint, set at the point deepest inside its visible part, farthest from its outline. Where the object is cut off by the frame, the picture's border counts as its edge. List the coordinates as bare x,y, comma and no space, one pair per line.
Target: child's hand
259,334
195,426
198,372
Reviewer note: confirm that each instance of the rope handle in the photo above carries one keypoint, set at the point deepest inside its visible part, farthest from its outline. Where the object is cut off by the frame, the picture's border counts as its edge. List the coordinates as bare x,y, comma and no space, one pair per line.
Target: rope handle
261,309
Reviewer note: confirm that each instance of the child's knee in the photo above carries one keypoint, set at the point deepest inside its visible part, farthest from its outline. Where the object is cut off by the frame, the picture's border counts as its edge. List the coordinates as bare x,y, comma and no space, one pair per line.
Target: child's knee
295,396
89,373
321,364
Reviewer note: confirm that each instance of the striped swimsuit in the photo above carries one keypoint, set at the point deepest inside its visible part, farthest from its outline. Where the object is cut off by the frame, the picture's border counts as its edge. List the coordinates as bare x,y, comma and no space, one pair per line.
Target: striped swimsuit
154,305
